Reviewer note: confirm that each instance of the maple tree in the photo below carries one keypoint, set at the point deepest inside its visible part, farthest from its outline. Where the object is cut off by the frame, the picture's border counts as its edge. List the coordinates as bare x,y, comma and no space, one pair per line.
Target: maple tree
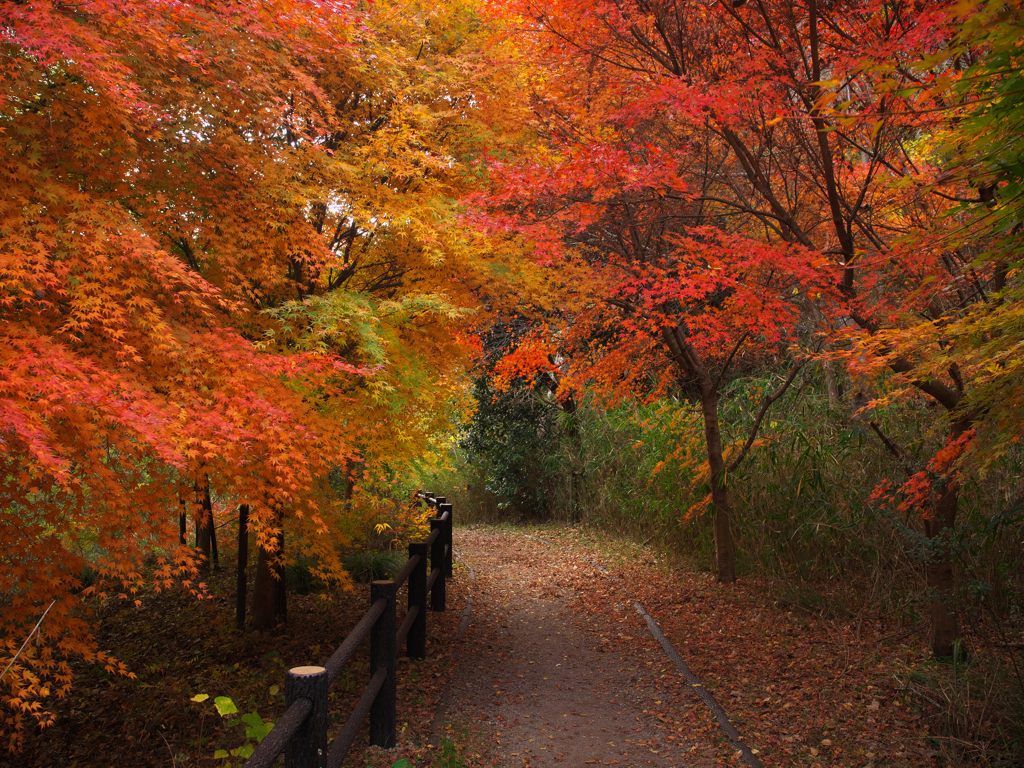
228,270
124,380
741,175
672,287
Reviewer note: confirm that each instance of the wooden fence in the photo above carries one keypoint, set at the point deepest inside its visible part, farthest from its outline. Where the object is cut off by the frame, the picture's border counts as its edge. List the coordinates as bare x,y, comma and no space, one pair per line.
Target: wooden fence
301,732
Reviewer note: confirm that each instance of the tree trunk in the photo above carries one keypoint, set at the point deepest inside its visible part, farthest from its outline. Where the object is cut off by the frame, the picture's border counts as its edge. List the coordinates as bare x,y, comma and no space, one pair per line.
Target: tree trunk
269,606
692,368
725,546
204,528
243,563
263,593
939,528
182,521
939,572
831,384
213,540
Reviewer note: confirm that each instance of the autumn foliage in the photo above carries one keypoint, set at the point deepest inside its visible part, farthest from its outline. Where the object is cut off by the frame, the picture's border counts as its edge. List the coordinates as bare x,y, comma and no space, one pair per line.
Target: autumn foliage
251,253
754,183
226,265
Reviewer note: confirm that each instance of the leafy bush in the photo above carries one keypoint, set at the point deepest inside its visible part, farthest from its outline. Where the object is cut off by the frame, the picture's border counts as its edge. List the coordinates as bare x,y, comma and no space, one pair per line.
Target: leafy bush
516,432
374,566
256,728
301,577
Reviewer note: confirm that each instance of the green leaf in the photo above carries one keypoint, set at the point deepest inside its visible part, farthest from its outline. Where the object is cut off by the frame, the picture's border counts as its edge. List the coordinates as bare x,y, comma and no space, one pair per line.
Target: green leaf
274,689
225,706
200,697
220,754
252,719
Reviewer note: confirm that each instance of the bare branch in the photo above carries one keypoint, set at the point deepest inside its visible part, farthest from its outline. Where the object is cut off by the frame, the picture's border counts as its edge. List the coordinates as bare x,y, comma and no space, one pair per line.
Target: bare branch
768,402
901,456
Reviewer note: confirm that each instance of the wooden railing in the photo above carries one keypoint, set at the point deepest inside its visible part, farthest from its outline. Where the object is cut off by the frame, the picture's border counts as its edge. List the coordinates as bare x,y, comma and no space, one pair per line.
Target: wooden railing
301,732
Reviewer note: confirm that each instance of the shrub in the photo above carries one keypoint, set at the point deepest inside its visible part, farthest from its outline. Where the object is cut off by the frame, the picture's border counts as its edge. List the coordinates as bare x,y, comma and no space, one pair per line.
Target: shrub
365,567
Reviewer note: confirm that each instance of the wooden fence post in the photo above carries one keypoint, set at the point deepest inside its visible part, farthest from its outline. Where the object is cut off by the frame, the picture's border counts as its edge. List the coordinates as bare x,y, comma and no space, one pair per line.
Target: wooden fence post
437,593
449,552
416,641
382,654
308,747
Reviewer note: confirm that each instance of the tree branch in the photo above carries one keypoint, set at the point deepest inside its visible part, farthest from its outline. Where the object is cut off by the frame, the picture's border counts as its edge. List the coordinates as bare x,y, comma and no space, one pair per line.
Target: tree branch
894,449
728,361
768,402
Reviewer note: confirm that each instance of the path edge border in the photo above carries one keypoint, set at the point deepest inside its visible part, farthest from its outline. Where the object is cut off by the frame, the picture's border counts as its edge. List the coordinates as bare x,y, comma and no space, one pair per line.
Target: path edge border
698,688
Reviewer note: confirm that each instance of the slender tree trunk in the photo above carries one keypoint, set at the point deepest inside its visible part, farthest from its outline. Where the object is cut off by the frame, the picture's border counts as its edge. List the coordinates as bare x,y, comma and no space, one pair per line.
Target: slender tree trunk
213,541
725,546
692,369
243,562
939,528
939,572
204,527
182,521
263,595
831,384
269,606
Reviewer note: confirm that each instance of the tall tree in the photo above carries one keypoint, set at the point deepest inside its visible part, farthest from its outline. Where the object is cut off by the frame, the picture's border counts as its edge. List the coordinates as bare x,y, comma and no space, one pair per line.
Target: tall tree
228,254
678,132
678,284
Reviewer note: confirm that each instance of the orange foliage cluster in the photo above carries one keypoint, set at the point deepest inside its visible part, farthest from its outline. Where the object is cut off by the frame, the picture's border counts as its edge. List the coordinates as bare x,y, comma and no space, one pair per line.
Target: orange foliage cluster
921,490
530,358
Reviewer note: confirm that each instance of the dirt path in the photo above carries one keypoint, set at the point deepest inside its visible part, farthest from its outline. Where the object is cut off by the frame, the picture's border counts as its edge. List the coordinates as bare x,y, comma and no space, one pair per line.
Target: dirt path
539,679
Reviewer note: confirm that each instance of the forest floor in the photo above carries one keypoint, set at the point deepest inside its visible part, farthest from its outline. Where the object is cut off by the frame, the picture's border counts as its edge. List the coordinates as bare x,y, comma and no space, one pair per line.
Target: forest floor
554,667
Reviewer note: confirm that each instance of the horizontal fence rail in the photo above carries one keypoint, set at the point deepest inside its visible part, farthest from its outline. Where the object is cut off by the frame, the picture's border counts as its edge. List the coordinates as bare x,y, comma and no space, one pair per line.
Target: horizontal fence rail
301,732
